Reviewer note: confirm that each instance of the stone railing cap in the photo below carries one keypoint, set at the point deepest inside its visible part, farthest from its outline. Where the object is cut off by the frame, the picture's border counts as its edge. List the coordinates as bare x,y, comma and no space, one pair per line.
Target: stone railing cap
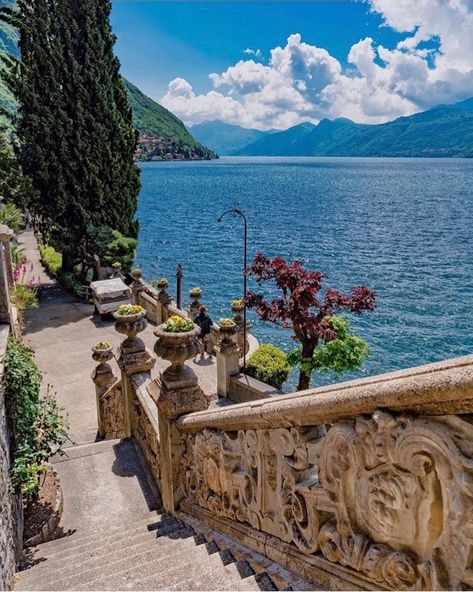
434,389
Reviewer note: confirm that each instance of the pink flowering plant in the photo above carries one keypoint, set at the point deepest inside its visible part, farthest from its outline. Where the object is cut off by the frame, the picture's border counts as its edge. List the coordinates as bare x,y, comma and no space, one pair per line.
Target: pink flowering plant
23,292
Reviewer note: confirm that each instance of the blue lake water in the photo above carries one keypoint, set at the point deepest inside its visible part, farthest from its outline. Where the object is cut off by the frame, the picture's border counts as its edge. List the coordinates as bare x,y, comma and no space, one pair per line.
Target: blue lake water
403,227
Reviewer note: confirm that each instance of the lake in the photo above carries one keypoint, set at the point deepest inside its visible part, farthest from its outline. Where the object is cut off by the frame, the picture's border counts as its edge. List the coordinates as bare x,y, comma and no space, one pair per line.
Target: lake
403,227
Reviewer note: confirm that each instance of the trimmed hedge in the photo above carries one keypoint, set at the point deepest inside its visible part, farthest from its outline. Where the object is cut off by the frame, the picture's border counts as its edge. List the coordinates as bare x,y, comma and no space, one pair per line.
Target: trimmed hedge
269,364
51,259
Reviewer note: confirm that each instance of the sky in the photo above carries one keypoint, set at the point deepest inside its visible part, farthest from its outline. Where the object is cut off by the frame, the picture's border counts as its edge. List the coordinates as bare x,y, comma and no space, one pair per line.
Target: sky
274,64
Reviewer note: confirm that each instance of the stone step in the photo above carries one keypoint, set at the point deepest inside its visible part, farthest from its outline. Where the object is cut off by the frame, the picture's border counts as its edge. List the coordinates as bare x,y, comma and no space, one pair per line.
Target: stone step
89,554
156,529
141,562
77,539
86,449
246,585
282,578
189,569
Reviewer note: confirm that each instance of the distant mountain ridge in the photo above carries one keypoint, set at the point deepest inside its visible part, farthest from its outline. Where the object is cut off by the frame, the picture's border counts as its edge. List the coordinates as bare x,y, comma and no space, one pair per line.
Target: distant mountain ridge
163,136
443,131
225,139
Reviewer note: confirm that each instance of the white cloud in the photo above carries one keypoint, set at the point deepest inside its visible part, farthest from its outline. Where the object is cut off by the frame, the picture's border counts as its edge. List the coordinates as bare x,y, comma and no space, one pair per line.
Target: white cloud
303,82
255,52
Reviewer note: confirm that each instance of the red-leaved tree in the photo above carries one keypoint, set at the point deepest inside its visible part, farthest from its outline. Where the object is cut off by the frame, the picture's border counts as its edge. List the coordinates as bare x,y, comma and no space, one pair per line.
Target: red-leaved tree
300,306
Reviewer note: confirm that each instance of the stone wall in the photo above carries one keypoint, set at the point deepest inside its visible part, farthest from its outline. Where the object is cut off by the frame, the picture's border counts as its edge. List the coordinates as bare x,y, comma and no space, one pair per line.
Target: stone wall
357,486
10,506
243,388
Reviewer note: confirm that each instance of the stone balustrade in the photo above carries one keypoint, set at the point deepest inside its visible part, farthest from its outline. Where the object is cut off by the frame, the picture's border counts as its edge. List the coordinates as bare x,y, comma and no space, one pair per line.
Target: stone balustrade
158,303
361,485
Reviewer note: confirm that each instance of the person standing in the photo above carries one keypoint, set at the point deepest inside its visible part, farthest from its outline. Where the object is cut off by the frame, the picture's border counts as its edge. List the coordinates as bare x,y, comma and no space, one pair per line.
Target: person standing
205,323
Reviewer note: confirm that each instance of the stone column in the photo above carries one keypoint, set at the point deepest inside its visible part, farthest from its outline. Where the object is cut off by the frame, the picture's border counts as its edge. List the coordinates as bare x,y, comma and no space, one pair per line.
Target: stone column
228,358
5,237
133,358
6,276
178,393
137,286
164,298
103,378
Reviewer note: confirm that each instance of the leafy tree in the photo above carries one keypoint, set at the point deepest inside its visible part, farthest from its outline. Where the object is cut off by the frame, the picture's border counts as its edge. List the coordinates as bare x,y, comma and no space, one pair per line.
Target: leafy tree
77,140
345,353
300,307
110,245
15,188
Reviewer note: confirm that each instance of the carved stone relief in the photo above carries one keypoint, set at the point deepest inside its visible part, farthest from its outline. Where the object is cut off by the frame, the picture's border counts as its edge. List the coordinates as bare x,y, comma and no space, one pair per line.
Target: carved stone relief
112,412
390,497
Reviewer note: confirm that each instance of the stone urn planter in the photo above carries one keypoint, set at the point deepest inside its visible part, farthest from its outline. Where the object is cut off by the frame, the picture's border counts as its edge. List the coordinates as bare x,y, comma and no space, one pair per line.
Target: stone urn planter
177,348
130,324
227,329
238,308
102,353
195,295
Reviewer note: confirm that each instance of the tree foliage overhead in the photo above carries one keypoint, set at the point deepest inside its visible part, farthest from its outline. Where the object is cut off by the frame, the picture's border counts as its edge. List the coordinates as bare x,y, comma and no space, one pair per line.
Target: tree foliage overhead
302,308
74,123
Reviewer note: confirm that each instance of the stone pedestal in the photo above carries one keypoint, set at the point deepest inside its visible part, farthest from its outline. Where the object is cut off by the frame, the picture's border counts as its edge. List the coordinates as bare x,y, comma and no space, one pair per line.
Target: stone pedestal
176,397
133,357
103,378
178,394
228,361
137,286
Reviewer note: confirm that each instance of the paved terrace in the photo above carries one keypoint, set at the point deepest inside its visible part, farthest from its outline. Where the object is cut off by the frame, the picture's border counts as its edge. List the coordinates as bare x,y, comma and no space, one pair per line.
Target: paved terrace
104,481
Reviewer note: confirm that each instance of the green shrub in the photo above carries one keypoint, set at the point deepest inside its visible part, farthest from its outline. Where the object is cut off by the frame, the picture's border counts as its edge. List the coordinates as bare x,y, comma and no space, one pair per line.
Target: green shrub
51,259
71,283
269,364
39,430
112,246
23,297
12,216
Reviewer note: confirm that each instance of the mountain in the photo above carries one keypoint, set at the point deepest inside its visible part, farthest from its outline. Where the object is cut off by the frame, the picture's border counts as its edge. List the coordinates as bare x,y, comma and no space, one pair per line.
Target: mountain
286,143
162,135
225,139
9,46
444,131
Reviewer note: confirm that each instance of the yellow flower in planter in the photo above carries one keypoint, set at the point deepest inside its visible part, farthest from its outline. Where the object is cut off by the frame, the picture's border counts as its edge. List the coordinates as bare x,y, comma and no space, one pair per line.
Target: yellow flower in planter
177,324
128,310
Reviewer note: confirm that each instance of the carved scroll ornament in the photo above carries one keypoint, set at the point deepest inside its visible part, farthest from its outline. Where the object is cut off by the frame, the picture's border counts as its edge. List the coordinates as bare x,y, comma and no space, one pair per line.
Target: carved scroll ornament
389,497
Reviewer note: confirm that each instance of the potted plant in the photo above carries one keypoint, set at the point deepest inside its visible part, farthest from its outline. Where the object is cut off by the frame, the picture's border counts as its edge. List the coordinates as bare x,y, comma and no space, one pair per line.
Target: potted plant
227,329
129,313
177,342
195,293
102,352
162,284
238,306
130,320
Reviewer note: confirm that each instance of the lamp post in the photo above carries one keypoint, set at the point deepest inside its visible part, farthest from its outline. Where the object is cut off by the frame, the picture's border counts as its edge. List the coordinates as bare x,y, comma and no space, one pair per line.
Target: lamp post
179,276
237,212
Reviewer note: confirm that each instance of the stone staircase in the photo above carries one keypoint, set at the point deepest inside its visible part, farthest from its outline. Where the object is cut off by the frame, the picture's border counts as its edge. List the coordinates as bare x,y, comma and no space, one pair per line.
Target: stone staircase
158,552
